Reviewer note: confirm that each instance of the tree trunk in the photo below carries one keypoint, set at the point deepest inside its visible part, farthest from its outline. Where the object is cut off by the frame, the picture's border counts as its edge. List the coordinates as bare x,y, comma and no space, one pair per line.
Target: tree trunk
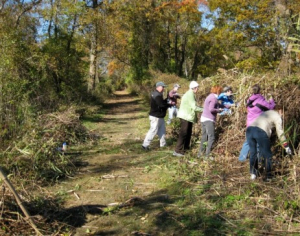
93,65
92,80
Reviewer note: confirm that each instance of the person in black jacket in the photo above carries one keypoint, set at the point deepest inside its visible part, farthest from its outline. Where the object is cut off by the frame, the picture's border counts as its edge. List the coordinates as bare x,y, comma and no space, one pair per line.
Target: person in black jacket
157,113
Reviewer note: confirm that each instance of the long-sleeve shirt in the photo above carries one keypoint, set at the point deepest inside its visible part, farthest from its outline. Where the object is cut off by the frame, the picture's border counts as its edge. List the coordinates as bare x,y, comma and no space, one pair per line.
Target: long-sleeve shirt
188,107
268,120
227,101
159,105
211,107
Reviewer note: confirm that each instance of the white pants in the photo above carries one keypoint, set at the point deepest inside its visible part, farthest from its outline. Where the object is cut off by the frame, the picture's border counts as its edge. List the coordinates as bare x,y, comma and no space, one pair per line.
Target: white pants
172,113
157,126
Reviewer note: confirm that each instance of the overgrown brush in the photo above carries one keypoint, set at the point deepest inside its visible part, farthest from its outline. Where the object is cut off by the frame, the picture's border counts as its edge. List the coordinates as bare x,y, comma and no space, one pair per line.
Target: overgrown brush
231,129
38,154
223,187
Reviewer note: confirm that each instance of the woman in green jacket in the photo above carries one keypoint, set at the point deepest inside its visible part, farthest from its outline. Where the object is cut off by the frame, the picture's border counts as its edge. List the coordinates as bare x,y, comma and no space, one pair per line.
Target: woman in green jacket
187,114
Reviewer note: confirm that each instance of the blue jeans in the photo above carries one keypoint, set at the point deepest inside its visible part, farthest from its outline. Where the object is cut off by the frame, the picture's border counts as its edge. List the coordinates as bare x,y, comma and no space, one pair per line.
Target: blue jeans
245,151
258,136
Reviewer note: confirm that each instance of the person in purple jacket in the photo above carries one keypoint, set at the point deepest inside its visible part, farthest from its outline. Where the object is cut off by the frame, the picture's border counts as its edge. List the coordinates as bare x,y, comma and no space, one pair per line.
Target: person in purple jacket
256,105
208,118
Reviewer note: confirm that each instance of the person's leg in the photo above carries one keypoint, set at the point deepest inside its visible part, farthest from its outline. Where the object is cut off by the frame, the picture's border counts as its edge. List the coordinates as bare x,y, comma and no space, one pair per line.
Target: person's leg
161,132
152,131
250,135
182,136
203,139
244,152
175,112
171,111
188,136
265,150
210,135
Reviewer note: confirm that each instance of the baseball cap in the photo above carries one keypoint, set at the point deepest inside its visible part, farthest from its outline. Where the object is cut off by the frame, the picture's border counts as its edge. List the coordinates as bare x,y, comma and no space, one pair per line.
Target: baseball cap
160,84
193,84
177,86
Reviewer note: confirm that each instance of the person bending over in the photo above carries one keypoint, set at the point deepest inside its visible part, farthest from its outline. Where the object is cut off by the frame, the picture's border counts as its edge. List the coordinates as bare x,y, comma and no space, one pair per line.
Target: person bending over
259,132
256,105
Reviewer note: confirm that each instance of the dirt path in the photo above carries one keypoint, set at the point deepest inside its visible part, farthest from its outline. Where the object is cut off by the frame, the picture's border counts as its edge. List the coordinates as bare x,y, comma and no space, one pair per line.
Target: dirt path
118,171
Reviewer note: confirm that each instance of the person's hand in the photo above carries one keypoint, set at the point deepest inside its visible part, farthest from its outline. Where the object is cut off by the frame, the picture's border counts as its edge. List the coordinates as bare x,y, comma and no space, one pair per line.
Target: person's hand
288,150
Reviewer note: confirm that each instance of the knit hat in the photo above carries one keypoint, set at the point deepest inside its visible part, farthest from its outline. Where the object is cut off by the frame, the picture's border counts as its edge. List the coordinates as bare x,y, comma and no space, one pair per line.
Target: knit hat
177,86
193,84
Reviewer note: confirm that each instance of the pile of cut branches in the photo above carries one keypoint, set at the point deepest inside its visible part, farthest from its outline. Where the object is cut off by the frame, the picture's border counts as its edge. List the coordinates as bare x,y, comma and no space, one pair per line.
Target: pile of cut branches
231,129
38,154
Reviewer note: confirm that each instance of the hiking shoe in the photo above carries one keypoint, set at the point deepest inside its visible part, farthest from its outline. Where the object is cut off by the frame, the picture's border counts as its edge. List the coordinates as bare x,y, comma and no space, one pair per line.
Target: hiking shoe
253,177
177,154
145,148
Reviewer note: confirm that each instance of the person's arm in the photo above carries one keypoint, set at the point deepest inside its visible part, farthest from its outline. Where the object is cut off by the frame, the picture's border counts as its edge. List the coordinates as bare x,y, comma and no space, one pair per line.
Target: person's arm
161,102
193,104
281,136
212,106
266,105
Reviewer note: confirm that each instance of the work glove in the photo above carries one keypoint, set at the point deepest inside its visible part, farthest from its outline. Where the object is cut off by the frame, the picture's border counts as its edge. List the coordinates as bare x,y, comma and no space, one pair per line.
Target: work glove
288,150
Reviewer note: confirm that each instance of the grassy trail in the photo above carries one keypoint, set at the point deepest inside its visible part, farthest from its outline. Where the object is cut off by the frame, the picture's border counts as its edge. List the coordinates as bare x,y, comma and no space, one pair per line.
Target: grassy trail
121,189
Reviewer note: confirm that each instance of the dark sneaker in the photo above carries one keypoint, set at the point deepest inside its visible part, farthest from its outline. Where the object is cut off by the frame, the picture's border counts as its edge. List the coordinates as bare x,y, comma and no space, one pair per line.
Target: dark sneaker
146,148
177,154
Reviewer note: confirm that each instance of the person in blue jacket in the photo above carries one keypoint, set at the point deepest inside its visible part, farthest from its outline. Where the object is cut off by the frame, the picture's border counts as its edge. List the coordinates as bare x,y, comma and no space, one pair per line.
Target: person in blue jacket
226,99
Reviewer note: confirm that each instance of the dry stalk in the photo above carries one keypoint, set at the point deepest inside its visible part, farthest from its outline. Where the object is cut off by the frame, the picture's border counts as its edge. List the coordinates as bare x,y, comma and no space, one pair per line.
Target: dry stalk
20,203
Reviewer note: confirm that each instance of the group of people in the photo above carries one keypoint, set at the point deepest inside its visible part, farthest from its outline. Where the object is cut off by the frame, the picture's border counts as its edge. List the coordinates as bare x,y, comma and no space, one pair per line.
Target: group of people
261,118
